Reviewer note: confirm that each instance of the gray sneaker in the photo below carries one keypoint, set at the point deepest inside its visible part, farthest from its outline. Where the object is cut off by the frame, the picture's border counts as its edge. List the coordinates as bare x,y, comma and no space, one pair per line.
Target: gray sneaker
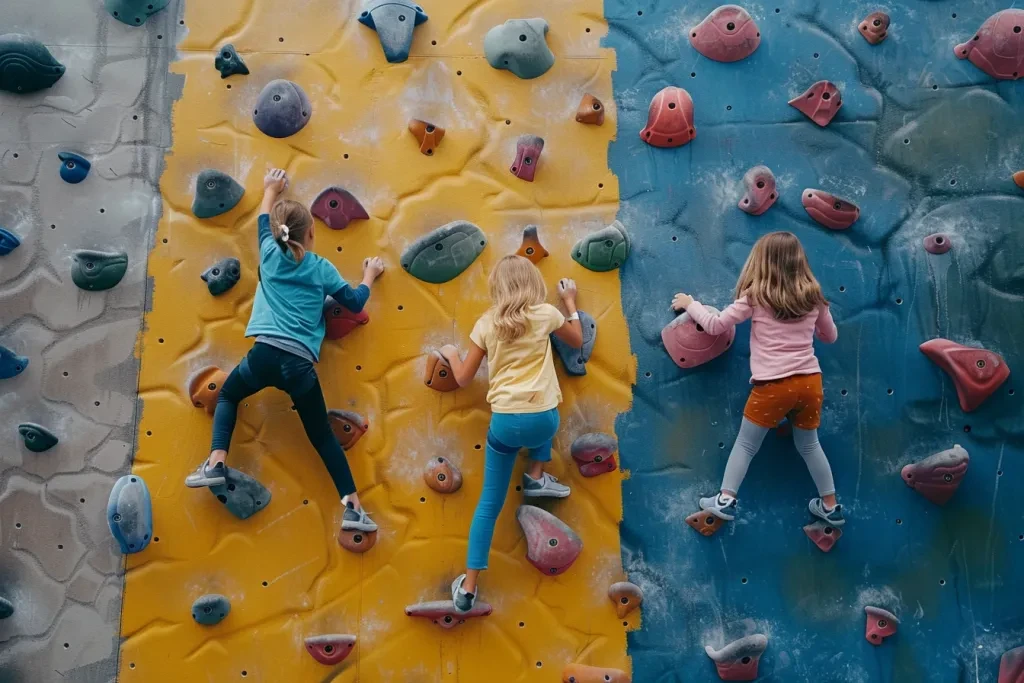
464,601
545,487
206,476
357,520
717,506
833,517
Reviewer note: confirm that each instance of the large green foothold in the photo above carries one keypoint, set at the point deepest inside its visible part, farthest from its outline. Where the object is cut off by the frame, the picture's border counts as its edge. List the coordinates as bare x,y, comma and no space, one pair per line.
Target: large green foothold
443,254
604,250
209,610
6,608
96,271
26,65
36,437
242,495
216,193
134,12
520,46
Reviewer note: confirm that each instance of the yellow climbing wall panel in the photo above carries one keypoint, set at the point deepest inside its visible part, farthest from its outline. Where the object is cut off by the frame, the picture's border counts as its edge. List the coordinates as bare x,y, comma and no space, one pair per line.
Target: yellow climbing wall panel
282,569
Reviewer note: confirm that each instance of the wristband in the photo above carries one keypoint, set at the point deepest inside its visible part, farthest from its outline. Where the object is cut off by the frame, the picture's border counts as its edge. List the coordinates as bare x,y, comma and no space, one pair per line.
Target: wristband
574,316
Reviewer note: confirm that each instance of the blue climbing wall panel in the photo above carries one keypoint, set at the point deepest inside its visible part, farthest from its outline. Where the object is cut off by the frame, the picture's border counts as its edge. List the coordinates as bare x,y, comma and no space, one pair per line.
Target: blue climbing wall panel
924,143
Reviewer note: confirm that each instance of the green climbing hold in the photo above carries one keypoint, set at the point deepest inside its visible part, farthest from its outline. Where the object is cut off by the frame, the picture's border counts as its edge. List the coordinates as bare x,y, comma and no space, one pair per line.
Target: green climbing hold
134,12
98,270
242,495
604,250
26,65
216,193
520,46
6,608
443,254
36,437
222,275
229,62
209,610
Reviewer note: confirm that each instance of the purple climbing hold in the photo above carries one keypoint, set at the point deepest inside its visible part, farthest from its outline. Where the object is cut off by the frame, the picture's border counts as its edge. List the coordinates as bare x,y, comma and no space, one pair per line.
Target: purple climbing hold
689,345
594,453
938,476
340,321
760,190
738,660
823,535
528,149
728,34
442,612
831,211
998,46
975,372
938,243
331,648
552,546
8,242
337,207
282,109
880,625
820,103
669,119
875,27
1011,666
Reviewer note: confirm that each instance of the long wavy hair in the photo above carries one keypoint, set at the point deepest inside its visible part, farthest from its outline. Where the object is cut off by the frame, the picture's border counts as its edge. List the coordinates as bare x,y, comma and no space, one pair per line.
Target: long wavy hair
515,285
777,276
298,220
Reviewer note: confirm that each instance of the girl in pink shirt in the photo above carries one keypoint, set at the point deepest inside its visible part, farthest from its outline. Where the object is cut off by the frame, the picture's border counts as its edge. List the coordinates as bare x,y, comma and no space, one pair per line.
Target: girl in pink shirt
779,294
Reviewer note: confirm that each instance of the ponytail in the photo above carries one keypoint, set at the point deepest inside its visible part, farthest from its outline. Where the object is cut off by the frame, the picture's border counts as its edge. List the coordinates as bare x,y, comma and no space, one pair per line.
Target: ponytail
289,223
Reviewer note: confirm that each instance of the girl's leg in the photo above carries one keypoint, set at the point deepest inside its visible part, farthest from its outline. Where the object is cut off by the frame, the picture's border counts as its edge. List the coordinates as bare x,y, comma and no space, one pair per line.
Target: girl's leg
809,448
212,471
539,430
748,443
313,412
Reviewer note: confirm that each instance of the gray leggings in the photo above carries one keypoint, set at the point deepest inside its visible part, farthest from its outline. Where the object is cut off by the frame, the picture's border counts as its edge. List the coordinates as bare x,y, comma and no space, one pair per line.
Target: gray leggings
748,442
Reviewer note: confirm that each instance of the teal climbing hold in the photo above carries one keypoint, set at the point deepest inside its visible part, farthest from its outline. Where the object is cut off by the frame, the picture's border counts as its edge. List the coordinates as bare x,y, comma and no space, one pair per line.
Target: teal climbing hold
394,21
444,253
229,62
575,360
604,250
8,242
520,46
26,65
74,168
134,12
216,193
6,608
36,437
242,495
222,275
98,270
130,514
11,364
209,610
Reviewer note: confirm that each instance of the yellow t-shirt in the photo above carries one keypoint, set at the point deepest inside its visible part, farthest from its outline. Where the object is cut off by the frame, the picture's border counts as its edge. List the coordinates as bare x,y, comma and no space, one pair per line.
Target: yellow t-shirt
521,373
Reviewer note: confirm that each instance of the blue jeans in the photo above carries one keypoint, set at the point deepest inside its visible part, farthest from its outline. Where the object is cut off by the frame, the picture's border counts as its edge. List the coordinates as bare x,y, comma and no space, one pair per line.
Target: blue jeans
508,433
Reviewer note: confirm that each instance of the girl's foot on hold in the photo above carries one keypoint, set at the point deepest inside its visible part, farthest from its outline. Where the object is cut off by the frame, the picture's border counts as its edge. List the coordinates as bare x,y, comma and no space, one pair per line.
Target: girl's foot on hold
545,487
463,601
357,520
207,475
721,506
833,516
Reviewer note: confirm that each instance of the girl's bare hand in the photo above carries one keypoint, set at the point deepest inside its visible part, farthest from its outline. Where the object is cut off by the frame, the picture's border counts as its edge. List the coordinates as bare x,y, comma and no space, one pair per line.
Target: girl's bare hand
275,181
681,301
449,351
373,267
567,289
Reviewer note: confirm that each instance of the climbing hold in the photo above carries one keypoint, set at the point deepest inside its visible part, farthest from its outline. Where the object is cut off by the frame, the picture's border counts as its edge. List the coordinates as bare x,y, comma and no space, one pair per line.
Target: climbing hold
74,168
282,109
332,648
134,12
823,535
829,210
594,453
337,207
442,475
204,389
442,254
551,545
442,612
580,673
209,610
520,46
575,360
604,250
669,119
26,65
875,27
11,364
531,247
348,426
394,22
222,275
728,34
130,513
626,596
1018,178
96,271
36,437
705,523
357,541
938,243
998,46
760,195
689,345
340,320
7,610
9,242
242,495
528,149
591,111
1011,665
880,625
428,135
438,375
216,193
938,476
820,103
229,62
977,373
738,660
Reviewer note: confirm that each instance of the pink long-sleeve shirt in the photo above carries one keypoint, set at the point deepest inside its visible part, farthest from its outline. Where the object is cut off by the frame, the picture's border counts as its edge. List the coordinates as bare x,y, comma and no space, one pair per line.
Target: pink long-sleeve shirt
778,348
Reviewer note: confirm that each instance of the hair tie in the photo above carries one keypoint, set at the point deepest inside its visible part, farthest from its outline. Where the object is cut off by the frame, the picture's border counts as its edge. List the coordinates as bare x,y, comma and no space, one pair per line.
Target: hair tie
284,234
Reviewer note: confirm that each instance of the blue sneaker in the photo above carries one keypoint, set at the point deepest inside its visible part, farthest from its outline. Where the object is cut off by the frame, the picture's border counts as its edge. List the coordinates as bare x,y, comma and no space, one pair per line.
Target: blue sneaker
720,506
833,517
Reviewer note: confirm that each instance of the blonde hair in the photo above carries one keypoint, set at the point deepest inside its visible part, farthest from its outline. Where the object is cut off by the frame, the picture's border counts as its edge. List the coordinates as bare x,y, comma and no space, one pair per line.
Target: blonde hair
777,276
294,217
515,285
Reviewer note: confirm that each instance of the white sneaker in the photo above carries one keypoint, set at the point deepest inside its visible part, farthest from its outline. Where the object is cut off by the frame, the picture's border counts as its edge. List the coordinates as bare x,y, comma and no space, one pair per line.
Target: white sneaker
545,487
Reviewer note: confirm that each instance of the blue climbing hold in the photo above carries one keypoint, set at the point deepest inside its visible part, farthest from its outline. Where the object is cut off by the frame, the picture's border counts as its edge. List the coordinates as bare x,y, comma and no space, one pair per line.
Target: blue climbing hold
222,275
26,65
134,12
228,62
96,271
130,514
8,242
6,608
209,610
73,168
216,193
520,46
11,364
242,495
36,437
575,360
394,21
282,109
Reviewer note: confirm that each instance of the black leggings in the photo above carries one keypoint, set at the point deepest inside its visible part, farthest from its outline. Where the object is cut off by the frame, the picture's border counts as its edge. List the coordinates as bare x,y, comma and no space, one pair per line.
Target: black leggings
267,366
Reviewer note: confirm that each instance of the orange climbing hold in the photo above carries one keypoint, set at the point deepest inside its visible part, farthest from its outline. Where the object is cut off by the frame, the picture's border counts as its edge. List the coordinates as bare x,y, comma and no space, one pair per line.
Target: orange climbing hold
357,541
580,673
438,375
705,523
348,426
341,321
669,119
205,388
591,111
975,372
823,535
875,27
531,247
442,475
626,596
330,649
428,135
1018,178
880,625
442,612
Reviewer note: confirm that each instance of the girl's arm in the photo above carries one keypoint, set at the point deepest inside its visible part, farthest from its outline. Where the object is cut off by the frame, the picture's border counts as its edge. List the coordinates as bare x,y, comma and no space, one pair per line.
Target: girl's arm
571,331
464,370
825,326
734,313
355,299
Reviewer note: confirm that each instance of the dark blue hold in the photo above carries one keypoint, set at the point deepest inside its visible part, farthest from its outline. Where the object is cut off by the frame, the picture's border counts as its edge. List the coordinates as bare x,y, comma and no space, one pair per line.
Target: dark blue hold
242,495
130,514
74,168
8,242
210,610
11,364
394,21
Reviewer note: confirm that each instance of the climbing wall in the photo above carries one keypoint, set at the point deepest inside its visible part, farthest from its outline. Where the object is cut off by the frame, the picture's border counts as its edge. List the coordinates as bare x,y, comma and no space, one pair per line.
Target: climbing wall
924,143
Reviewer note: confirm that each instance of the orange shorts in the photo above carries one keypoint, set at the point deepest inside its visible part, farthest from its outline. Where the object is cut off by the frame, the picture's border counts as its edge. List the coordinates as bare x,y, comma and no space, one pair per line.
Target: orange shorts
799,397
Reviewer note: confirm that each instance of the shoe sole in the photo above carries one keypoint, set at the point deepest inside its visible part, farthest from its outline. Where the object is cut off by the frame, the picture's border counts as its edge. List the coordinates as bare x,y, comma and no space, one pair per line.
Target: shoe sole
544,494
828,521
720,515
359,527
205,483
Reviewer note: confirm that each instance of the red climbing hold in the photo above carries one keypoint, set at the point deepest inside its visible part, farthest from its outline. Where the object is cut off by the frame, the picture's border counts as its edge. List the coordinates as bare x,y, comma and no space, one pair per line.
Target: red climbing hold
348,427
689,345
875,27
998,46
552,546
340,320
205,388
938,476
728,34
528,149
937,244
705,523
594,454
442,612
738,660
428,135
329,649
760,190
1018,178
1011,666
669,119
337,207
591,111
581,673
442,475
977,373
357,541
880,625
438,375
823,535
820,103
829,210
626,597
531,247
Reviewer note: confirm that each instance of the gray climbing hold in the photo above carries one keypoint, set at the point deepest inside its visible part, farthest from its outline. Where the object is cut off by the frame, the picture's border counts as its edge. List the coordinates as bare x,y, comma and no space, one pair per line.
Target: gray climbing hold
520,46
216,193
444,253
6,608
209,610
575,360
96,271
229,62
130,514
36,437
604,250
222,275
26,65
394,22
282,109
242,495
134,12
11,364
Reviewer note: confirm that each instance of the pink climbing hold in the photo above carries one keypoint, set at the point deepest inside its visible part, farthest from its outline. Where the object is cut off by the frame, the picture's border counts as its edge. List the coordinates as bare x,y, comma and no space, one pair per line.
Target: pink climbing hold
442,612
938,476
594,454
820,103
340,320
823,535
738,660
728,34
937,244
880,625
689,345
528,149
551,545
760,195
669,119
1011,666
330,649
831,211
998,46
875,27
977,373
337,207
